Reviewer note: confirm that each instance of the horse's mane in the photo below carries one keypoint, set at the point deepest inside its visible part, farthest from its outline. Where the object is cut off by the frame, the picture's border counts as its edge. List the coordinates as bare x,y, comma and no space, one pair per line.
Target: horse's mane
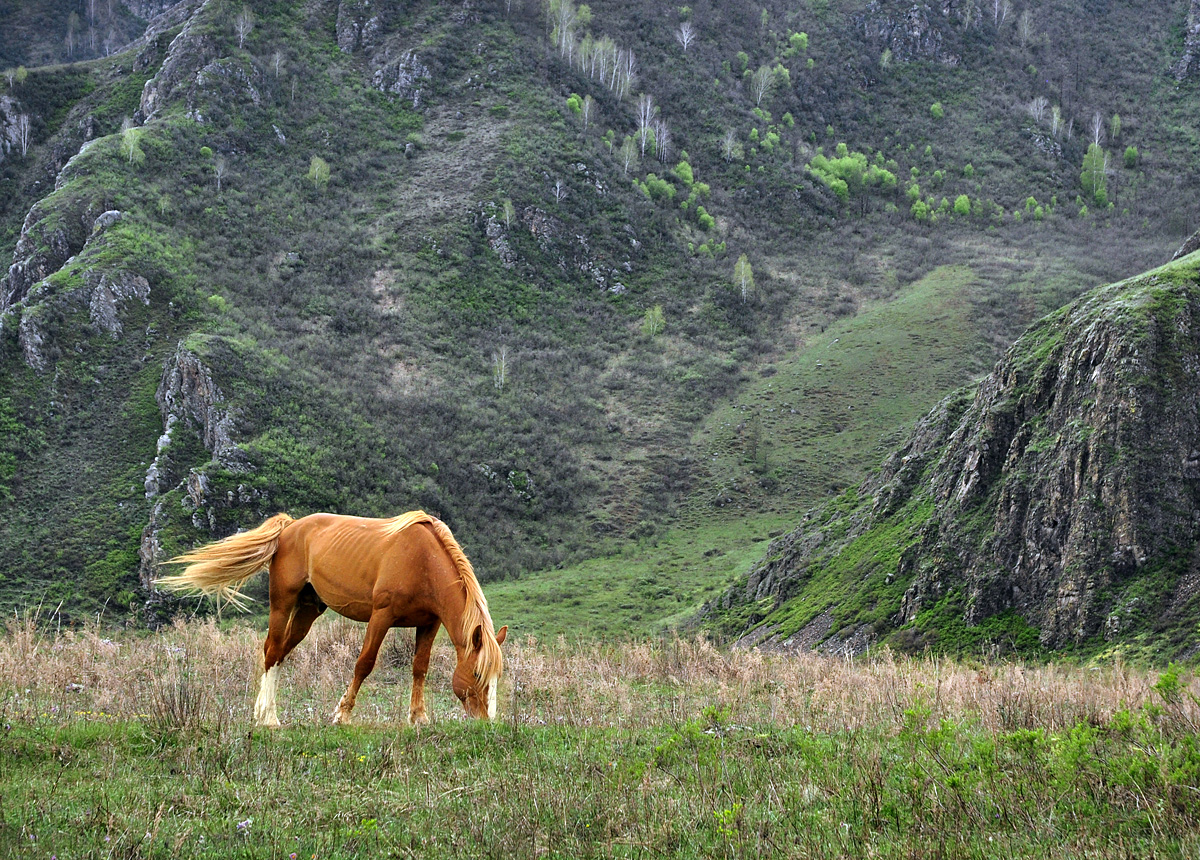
475,612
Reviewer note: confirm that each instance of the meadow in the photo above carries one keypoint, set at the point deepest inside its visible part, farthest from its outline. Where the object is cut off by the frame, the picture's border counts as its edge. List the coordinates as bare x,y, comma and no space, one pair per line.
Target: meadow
135,745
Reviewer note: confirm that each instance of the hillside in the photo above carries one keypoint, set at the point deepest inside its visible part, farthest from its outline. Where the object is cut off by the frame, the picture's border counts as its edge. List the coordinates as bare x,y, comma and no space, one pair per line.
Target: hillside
1054,504
367,261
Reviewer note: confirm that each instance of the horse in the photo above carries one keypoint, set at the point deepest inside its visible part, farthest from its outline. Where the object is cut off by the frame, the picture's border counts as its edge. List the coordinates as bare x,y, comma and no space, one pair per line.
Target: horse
406,571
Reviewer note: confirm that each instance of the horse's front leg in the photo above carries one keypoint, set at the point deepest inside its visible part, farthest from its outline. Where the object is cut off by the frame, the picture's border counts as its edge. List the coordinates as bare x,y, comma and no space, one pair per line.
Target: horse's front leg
377,628
424,647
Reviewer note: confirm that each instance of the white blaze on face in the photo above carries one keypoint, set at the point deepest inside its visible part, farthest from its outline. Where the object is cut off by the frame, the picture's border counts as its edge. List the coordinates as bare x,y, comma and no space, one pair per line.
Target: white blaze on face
492,698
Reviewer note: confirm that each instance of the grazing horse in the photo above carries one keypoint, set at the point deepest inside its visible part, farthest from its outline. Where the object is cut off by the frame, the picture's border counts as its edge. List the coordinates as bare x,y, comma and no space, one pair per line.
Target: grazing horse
407,571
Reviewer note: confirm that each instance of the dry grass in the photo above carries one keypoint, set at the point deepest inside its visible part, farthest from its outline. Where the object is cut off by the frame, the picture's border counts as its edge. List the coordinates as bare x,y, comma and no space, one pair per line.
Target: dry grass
640,684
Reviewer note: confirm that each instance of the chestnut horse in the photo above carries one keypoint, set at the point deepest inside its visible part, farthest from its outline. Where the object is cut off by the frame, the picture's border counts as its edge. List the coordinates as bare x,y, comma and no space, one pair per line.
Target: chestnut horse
407,571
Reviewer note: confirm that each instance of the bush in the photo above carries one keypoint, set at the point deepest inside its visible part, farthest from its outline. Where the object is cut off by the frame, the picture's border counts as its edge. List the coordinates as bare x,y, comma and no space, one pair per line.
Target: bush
1131,157
936,110
962,206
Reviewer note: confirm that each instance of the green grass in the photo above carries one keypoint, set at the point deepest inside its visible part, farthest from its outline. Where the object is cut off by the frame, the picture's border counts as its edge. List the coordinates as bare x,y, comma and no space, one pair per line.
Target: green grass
843,400
644,588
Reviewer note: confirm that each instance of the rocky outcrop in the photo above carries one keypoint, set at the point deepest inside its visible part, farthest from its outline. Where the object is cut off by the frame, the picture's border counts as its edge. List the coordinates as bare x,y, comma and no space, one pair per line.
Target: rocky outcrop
404,76
1187,64
12,121
190,51
188,396
1065,488
912,31
359,23
51,235
187,393
110,293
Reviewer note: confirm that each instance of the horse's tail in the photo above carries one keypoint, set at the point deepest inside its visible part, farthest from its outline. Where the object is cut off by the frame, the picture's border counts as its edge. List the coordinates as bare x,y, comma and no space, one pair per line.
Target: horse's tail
220,569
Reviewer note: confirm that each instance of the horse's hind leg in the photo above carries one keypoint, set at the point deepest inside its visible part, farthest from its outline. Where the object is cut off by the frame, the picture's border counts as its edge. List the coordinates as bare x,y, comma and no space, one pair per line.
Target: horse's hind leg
377,628
425,637
265,713
291,618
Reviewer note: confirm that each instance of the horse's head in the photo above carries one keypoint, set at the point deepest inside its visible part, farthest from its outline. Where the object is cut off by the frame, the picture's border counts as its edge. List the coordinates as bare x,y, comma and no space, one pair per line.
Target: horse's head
478,673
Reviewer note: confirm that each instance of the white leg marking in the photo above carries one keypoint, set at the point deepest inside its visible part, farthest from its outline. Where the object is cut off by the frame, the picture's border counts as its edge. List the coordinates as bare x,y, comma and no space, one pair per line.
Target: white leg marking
492,698
265,713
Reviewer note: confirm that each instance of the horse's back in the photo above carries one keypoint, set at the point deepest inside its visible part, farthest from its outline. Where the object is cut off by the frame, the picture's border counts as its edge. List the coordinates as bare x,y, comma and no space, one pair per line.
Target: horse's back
356,563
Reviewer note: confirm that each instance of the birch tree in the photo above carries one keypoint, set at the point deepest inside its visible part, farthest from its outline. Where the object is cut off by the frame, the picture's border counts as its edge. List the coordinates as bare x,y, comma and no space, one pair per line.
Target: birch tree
685,35
629,153
1025,27
761,84
586,110
23,130
131,142
242,25
729,145
646,111
1037,108
743,277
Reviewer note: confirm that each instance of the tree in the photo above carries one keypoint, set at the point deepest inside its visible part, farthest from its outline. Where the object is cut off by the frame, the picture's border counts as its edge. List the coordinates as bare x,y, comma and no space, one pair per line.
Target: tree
131,136
1114,127
560,191
1037,108
1025,27
962,206
646,111
72,27
1097,128
277,61
500,368
1093,178
629,153
243,24
509,213
662,140
22,74
685,35
23,130
1055,120
220,170
1131,157
318,172
586,109
653,322
729,145
761,84
563,17
743,277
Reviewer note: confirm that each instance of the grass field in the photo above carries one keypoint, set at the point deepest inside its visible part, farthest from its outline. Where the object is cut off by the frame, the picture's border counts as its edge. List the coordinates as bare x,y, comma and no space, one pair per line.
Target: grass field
142,747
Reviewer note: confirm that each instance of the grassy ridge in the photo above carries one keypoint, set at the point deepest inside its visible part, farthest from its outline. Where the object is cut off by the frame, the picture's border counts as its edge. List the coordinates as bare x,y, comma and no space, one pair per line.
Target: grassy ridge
613,751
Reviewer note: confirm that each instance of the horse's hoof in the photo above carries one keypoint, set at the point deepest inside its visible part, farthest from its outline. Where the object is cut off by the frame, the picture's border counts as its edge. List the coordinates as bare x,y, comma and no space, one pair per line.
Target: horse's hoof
418,720
272,723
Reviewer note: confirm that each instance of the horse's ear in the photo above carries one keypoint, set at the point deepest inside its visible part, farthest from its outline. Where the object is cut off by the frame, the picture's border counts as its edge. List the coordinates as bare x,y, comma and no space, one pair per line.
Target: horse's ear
500,634
477,637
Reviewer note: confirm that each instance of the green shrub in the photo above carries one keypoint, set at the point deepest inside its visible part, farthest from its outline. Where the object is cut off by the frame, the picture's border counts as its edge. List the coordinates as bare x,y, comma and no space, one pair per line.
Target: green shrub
962,206
1131,157
936,110
658,189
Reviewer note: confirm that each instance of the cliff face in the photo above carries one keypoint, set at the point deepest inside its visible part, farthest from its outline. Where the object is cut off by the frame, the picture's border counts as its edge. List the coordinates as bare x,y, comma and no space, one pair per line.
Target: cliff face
1064,490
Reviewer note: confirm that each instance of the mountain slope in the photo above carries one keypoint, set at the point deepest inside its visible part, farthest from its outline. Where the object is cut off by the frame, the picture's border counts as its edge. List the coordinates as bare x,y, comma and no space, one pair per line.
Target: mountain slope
368,259
1056,503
